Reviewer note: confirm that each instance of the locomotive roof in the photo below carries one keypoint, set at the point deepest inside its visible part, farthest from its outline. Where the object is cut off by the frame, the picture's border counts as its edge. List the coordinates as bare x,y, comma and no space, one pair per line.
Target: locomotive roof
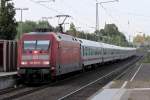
66,37
59,36
85,42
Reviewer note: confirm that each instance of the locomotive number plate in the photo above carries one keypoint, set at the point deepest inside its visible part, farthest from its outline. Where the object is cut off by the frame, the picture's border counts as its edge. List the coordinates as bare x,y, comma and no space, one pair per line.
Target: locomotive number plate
35,57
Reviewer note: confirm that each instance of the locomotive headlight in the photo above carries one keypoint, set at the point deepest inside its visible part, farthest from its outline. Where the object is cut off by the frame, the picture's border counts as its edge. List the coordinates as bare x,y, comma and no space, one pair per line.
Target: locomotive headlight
18,68
46,62
23,63
52,68
35,52
45,71
21,71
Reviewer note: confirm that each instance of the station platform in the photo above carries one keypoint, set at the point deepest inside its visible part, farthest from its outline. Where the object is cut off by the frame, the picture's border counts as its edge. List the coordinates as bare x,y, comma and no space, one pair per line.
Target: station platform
4,74
7,79
134,85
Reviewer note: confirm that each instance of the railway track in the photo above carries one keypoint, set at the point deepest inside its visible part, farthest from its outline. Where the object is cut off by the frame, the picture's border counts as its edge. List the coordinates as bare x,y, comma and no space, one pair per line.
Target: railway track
12,89
28,90
13,93
81,93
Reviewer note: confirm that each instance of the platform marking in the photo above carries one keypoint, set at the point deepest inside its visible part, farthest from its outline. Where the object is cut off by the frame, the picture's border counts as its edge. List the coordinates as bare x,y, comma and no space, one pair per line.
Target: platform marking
108,85
124,84
136,73
139,89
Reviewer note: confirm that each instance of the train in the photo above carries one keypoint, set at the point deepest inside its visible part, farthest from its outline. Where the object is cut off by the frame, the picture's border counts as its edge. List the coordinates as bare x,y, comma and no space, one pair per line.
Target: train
43,56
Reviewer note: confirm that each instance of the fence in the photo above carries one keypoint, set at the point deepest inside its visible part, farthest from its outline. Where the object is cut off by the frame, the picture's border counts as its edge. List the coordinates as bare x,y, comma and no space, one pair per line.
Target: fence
8,55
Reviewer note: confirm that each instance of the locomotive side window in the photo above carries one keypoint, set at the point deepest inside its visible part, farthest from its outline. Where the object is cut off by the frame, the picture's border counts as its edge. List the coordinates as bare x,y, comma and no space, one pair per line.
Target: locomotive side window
29,45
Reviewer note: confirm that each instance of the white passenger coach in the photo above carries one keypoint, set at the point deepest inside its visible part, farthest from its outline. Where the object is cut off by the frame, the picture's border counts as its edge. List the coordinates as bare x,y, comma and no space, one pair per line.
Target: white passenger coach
96,52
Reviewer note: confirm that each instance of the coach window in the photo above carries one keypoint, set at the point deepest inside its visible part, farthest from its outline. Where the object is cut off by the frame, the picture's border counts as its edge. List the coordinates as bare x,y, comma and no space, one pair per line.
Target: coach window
92,50
95,51
99,51
112,52
83,50
86,51
104,51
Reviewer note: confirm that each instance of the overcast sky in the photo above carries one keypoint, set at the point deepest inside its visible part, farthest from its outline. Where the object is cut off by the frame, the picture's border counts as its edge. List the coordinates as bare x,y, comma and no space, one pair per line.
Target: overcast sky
131,16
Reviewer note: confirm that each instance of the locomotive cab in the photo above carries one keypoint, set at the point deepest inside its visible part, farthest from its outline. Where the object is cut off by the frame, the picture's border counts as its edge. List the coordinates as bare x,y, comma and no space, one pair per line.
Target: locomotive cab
34,58
47,55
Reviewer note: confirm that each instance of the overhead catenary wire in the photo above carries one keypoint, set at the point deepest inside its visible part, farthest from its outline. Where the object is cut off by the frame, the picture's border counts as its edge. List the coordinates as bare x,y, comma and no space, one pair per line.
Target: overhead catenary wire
111,16
135,15
133,28
74,11
52,9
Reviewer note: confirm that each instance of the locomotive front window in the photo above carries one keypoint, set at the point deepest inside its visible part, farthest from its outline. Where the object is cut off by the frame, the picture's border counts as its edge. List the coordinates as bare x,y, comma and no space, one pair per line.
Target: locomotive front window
29,45
42,44
36,45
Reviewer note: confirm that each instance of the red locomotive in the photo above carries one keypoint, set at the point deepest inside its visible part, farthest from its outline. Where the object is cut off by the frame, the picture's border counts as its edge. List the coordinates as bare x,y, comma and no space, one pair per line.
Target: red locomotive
43,56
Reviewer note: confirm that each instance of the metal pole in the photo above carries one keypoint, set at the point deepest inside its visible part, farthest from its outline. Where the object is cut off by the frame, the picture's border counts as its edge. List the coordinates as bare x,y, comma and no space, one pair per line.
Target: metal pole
0,3
97,18
21,28
97,15
21,25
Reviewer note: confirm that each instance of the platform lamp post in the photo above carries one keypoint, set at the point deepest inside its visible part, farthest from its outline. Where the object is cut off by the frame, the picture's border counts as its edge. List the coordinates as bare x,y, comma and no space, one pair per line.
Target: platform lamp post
21,9
97,14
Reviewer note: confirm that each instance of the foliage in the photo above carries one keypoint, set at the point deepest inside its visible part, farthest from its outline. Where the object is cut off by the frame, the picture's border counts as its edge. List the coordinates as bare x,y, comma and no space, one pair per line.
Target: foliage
30,26
72,31
110,34
142,40
27,26
113,35
7,21
139,39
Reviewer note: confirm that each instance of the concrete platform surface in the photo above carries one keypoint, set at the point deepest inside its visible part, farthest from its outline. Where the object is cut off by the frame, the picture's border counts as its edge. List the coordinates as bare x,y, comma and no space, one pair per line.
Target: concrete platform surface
7,79
7,73
136,87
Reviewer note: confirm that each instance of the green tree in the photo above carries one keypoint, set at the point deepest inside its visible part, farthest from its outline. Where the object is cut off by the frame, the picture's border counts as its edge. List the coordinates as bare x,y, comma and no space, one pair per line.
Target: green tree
27,26
30,26
72,31
111,34
7,21
139,39
44,24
